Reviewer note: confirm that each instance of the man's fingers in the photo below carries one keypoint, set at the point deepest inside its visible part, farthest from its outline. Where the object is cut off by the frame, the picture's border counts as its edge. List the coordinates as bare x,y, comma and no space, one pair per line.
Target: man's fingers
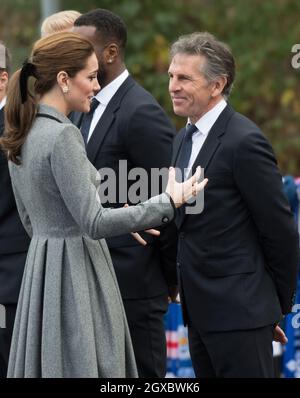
138,238
280,336
152,231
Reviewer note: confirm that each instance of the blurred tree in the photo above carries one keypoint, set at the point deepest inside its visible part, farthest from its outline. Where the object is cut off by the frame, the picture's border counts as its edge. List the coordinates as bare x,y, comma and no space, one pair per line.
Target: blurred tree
261,34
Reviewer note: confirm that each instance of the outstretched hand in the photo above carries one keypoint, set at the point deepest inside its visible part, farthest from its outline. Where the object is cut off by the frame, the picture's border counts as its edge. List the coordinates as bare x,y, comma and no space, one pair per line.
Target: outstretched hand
182,192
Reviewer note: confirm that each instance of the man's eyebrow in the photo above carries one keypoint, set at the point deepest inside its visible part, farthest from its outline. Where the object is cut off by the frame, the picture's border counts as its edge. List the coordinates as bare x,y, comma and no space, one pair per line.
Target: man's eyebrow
181,75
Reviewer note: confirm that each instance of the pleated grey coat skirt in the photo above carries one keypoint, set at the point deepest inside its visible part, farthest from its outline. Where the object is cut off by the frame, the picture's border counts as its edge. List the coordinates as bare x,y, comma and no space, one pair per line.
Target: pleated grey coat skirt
70,319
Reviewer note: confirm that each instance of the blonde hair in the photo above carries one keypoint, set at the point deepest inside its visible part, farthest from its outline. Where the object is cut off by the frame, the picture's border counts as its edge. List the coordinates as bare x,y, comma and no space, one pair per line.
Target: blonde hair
59,22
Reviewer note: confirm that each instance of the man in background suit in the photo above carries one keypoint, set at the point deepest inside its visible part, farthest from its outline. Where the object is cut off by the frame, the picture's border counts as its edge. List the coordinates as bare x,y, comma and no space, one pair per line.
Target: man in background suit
14,241
238,259
126,123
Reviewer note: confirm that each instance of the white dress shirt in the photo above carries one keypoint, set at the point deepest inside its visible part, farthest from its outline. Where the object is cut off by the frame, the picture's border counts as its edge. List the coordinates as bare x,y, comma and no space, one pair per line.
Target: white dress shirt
104,96
204,125
2,103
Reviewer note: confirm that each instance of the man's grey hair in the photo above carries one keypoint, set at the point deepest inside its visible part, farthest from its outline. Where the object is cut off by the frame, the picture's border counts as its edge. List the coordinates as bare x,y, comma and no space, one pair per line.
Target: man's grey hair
219,58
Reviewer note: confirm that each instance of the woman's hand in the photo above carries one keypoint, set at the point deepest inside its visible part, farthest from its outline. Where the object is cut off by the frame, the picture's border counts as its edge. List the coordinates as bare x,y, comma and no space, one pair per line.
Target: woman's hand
182,192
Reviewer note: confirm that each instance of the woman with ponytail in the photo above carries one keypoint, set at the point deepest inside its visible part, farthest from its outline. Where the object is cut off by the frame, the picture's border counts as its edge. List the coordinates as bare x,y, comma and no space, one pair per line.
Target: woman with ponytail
70,320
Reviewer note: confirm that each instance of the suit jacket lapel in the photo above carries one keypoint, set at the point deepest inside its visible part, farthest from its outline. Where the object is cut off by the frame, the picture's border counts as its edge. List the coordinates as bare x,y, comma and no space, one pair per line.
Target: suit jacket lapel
1,120
106,120
76,118
213,141
177,145
209,147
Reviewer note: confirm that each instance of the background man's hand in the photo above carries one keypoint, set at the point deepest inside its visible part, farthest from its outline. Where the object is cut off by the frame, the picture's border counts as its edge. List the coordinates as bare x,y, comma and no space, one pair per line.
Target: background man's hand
173,294
279,335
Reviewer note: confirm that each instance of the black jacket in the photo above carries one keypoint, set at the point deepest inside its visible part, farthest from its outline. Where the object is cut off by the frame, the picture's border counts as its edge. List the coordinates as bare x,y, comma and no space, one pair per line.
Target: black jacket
13,238
238,259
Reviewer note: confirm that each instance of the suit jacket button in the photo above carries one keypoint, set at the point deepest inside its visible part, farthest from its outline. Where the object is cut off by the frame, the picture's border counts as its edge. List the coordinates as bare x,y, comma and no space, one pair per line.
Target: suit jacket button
182,235
165,220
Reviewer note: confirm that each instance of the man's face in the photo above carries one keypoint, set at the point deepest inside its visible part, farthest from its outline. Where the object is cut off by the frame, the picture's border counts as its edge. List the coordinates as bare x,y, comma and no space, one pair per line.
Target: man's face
3,83
190,91
93,36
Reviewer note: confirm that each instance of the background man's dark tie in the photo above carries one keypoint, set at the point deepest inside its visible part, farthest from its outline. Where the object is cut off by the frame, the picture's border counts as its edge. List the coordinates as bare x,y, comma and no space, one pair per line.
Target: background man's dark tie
182,163
87,120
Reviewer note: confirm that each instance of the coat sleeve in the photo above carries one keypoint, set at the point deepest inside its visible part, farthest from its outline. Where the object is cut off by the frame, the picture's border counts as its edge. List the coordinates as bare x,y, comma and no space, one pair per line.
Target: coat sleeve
260,183
24,217
77,181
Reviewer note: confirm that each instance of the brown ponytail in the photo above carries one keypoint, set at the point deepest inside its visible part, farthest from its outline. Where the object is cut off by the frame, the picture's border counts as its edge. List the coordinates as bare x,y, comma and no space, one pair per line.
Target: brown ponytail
18,119
58,52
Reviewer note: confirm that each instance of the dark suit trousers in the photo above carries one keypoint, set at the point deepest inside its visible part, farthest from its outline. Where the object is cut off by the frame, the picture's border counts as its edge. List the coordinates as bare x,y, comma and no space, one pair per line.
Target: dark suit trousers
233,354
10,280
146,323
5,337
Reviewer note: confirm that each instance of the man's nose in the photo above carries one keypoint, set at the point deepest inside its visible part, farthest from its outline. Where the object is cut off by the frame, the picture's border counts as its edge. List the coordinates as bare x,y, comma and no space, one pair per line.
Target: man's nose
173,85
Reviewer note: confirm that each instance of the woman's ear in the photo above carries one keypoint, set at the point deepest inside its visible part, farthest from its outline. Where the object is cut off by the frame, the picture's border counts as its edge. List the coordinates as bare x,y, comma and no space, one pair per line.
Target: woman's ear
63,81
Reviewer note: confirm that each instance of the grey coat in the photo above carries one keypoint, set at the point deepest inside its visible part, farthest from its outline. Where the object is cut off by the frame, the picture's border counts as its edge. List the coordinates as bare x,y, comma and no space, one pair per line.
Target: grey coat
70,319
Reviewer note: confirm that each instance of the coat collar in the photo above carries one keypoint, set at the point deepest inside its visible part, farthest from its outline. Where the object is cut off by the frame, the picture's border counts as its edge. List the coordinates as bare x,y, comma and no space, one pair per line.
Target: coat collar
49,110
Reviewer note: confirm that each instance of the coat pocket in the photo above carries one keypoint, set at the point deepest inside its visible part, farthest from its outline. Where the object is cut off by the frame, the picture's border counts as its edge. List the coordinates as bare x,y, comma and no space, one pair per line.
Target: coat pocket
222,267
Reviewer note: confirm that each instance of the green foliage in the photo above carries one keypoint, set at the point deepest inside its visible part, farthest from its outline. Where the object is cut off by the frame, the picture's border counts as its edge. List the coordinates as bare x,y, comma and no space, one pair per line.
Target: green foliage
261,34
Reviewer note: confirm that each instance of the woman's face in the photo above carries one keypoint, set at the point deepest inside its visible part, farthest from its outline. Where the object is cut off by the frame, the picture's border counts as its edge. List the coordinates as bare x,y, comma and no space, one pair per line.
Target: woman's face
83,87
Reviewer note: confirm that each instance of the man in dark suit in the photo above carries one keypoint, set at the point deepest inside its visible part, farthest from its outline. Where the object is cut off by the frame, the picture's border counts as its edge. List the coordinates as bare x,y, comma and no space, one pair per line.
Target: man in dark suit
126,123
14,241
237,259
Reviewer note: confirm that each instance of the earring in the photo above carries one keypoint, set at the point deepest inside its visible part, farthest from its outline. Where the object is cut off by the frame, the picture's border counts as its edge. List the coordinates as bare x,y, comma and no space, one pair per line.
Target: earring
65,89
110,61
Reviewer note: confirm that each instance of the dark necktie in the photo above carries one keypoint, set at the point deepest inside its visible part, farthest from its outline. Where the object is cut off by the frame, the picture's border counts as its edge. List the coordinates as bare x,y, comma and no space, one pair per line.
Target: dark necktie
87,120
182,163
185,151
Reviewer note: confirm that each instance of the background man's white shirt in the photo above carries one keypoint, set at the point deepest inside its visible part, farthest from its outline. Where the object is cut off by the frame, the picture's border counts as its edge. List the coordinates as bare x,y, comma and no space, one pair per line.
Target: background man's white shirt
204,125
2,103
104,96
